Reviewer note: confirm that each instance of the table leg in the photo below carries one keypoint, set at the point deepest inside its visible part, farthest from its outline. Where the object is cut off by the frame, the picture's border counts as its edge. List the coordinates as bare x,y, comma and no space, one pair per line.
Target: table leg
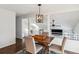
46,50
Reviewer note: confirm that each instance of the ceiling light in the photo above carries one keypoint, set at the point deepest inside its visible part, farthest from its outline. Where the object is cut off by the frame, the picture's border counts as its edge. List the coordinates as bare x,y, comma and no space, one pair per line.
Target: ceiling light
39,17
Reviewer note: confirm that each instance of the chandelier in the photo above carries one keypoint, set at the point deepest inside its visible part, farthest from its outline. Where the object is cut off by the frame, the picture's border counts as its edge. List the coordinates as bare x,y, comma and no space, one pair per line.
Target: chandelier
39,17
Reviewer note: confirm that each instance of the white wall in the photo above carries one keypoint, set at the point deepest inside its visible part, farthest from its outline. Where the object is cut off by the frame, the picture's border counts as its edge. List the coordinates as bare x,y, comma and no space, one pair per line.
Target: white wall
7,28
68,19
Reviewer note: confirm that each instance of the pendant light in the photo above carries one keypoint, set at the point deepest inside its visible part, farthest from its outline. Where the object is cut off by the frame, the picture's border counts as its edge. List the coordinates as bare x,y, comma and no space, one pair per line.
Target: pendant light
39,17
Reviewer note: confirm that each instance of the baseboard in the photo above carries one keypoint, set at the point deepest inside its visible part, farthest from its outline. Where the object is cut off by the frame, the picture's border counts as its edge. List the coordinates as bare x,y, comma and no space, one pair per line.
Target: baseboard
18,38
7,43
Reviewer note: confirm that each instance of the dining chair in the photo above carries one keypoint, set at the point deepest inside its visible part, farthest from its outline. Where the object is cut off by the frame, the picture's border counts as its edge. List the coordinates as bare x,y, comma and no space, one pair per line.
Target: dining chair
58,48
45,35
51,42
30,45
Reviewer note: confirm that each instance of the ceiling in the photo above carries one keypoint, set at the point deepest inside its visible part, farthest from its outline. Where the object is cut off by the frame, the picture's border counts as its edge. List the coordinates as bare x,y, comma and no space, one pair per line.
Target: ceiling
22,9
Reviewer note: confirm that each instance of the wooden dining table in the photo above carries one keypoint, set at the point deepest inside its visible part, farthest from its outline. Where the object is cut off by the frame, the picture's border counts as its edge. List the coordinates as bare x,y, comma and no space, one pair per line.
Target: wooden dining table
44,41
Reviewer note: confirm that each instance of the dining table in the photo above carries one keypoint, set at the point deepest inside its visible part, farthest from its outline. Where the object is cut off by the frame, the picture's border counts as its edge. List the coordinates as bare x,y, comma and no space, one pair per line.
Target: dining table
44,41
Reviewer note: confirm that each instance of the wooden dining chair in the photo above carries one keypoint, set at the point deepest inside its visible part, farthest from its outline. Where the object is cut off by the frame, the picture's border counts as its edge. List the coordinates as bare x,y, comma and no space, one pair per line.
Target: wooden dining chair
30,45
58,48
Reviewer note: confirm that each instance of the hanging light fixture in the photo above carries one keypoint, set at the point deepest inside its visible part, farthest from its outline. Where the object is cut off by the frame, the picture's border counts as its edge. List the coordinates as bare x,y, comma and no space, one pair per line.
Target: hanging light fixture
39,17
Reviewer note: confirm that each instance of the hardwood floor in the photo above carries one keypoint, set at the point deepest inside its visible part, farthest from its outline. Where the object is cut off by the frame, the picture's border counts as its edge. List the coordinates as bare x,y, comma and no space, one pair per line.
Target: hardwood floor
12,49
9,49
18,44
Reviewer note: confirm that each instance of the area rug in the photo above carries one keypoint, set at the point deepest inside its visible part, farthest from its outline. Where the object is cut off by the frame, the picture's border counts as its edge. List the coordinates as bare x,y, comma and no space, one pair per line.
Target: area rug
41,52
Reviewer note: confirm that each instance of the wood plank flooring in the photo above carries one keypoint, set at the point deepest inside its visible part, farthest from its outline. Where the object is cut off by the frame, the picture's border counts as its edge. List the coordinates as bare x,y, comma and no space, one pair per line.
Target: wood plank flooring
12,49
